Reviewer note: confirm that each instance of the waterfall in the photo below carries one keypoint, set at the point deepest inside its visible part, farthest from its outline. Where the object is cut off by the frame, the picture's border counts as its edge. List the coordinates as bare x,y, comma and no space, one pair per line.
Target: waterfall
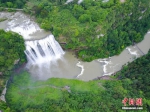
44,50
37,51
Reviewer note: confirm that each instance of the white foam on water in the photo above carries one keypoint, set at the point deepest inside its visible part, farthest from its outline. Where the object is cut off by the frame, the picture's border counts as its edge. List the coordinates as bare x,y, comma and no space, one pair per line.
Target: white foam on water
132,52
105,1
82,68
68,1
43,51
24,27
5,15
40,53
105,65
80,1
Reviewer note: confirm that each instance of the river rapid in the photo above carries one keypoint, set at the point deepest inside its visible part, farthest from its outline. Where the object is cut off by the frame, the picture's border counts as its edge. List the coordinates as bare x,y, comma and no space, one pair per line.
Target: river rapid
68,66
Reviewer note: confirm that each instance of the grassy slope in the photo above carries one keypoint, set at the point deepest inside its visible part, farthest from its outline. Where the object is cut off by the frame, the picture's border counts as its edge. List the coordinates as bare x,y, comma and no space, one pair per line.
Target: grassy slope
27,94
35,92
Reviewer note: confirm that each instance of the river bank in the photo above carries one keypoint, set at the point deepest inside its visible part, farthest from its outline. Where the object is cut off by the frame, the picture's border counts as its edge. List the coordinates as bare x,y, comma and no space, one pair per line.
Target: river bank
68,66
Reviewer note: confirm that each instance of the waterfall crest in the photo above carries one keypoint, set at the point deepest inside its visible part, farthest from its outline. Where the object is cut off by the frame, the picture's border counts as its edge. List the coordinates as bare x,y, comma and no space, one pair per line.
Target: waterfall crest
40,51
37,51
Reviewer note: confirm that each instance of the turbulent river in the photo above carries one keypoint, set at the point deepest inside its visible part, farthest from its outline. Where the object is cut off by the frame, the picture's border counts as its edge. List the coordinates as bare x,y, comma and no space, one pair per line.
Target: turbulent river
47,59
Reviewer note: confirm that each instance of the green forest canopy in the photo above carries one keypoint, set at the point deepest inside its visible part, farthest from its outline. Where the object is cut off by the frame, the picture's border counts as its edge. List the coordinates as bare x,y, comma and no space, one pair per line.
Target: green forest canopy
12,3
81,26
59,95
78,26
11,49
94,29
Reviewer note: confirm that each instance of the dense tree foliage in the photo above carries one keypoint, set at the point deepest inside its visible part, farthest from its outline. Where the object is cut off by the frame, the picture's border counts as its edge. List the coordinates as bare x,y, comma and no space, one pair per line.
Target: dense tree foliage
12,3
11,53
59,95
4,107
139,72
64,95
95,29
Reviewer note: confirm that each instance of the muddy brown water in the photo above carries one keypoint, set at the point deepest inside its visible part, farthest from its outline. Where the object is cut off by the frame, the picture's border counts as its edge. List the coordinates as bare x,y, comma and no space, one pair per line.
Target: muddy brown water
68,66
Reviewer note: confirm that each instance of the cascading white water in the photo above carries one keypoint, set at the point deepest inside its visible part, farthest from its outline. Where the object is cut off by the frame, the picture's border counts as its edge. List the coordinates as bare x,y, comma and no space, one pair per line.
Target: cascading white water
40,51
44,62
37,50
